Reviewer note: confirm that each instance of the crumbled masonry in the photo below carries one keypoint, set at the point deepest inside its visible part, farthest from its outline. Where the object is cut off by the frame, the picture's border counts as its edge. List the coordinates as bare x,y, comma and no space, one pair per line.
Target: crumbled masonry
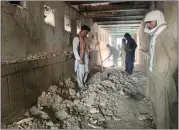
112,100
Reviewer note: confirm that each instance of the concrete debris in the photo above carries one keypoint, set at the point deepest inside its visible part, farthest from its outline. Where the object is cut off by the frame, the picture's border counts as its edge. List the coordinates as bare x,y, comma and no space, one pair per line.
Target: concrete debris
116,118
37,56
24,121
143,117
50,123
34,111
72,92
95,79
122,92
94,127
61,114
112,98
90,99
93,110
69,83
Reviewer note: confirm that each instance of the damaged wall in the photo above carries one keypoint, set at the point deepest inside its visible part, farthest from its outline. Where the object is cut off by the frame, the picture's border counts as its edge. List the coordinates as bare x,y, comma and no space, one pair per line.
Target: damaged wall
22,30
25,32
23,82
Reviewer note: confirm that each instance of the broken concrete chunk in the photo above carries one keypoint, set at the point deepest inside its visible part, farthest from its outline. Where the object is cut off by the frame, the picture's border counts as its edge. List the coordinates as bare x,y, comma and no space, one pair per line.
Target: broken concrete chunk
116,118
61,83
103,102
27,114
26,120
94,121
90,99
58,99
42,100
93,126
53,89
34,111
72,92
50,123
61,114
95,79
69,83
54,127
93,110
76,101
143,117
122,92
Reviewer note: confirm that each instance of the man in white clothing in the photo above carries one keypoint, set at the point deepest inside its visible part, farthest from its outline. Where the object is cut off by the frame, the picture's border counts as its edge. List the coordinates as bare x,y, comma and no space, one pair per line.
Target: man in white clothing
81,53
161,90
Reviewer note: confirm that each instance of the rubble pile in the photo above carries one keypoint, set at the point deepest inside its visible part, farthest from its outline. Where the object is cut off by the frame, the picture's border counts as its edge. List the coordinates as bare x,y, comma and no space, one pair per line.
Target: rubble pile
112,100
39,55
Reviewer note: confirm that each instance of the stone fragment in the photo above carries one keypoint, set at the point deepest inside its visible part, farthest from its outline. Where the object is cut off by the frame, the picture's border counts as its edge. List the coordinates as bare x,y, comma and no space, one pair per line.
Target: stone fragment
93,110
90,99
72,92
143,117
50,123
122,92
93,126
36,112
69,83
61,114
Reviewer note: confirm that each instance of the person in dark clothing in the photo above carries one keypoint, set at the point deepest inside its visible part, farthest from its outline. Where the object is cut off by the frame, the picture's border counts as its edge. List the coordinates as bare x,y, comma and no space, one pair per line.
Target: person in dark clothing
130,53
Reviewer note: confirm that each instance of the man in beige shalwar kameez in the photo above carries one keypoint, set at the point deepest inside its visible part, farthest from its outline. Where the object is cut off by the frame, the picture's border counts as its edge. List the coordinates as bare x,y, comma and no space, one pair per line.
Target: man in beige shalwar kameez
161,88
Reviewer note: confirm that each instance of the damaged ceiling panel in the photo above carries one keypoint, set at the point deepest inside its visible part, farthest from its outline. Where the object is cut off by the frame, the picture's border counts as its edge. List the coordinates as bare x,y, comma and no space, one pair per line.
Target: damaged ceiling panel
113,14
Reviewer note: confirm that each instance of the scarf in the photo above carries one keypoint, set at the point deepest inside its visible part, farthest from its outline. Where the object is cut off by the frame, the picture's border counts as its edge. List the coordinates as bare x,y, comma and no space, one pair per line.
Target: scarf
83,46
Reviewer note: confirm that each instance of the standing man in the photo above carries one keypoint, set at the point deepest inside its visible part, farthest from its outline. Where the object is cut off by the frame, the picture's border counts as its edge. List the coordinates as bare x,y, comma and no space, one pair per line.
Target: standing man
80,50
115,53
161,88
130,53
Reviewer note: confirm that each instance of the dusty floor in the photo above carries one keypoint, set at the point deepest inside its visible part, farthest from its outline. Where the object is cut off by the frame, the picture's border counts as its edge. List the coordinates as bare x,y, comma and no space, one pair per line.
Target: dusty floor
112,100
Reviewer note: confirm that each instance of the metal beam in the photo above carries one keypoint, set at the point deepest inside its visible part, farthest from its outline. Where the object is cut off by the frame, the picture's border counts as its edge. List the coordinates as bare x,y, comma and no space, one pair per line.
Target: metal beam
119,22
122,25
117,10
131,32
117,30
122,17
114,13
122,30
108,8
85,2
103,19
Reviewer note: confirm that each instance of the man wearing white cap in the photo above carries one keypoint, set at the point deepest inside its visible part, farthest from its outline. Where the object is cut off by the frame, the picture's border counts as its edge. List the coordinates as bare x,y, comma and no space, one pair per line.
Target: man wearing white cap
161,88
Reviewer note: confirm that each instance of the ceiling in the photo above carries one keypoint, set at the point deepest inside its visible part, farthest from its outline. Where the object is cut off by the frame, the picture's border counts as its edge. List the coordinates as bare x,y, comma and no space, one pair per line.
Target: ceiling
116,17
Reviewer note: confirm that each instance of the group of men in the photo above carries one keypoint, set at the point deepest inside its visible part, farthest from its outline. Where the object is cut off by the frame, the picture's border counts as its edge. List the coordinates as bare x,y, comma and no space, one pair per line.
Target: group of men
160,88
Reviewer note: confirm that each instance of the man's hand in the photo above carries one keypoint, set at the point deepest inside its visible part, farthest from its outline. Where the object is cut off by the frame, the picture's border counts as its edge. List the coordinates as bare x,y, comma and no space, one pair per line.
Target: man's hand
80,61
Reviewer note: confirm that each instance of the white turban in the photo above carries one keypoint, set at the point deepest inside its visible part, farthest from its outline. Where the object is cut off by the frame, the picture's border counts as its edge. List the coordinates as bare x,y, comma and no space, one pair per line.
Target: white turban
152,16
